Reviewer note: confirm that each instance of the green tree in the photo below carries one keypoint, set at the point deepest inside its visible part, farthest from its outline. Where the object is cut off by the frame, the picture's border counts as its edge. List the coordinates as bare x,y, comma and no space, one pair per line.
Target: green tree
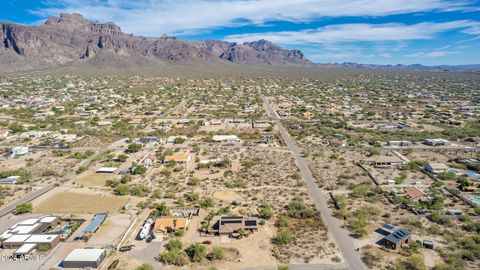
174,244
216,254
24,208
282,222
134,147
411,263
298,209
206,202
265,211
196,252
139,169
145,266
174,257
373,152
126,178
284,237
122,157
15,127
122,189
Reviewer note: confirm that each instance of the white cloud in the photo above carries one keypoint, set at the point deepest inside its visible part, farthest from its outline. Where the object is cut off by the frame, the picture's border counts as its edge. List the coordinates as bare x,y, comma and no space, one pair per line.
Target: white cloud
155,17
431,54
358,32
475,30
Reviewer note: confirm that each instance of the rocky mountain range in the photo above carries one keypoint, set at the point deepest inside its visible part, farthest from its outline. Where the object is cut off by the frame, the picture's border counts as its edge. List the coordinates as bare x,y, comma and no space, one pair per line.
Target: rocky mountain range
73,40
400,67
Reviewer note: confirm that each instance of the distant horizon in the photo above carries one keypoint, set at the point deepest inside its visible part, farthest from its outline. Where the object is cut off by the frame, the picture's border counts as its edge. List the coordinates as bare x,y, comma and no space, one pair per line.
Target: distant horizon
425,32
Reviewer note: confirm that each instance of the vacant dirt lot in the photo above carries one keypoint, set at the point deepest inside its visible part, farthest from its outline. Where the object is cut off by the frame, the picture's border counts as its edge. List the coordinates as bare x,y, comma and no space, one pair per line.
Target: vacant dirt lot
77,203
227,196
91,179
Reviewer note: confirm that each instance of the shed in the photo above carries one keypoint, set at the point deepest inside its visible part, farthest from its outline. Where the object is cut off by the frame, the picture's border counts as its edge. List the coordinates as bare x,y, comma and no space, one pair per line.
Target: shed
80,258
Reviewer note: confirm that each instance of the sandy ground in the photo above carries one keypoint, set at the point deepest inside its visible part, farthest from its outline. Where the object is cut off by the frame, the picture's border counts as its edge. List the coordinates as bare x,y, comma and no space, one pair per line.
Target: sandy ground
92,179
111,230
227,196
78,203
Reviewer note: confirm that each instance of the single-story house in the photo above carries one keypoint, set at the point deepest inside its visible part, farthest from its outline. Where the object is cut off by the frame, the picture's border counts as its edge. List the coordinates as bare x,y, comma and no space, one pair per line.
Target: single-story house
400,143
386,162
18,240
226,138
436,142
395,237
168,224
435,168
150,160
231,225
416,194
180,157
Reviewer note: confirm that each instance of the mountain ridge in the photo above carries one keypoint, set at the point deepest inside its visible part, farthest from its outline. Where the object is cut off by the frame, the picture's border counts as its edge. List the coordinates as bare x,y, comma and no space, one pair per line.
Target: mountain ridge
418,67
73,40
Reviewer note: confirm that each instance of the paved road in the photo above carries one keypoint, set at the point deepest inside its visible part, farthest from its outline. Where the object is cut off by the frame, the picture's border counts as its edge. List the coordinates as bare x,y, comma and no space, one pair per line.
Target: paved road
340,235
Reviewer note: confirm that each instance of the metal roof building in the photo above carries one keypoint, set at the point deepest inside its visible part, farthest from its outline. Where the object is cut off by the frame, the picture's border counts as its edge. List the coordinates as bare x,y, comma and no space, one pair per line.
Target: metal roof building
80,258
97,220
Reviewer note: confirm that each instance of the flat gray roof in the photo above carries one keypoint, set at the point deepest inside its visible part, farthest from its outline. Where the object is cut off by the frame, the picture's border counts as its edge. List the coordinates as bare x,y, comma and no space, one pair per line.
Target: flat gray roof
84,255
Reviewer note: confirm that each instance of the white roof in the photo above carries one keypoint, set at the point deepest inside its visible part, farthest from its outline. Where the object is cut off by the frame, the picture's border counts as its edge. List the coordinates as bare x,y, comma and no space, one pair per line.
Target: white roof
210,161
17,238
224,137
25,248
6,234
84,255
25,229
29,221
107,169
48,219
42,238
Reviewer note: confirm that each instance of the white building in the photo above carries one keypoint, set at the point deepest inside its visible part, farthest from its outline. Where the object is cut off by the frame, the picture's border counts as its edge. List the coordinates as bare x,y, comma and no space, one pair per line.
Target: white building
83,258
226,138
106,170
19,151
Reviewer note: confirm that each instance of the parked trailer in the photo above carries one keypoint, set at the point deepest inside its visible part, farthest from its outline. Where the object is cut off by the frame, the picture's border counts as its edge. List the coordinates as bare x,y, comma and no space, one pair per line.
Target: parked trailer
146,229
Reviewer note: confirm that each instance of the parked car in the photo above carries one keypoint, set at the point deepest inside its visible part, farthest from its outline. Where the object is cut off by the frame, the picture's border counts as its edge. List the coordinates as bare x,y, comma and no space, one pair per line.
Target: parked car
126,248
207,242
150,238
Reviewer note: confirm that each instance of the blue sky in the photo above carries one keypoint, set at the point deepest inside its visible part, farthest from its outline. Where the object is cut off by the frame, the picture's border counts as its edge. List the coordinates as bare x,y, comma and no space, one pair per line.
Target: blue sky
429,32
